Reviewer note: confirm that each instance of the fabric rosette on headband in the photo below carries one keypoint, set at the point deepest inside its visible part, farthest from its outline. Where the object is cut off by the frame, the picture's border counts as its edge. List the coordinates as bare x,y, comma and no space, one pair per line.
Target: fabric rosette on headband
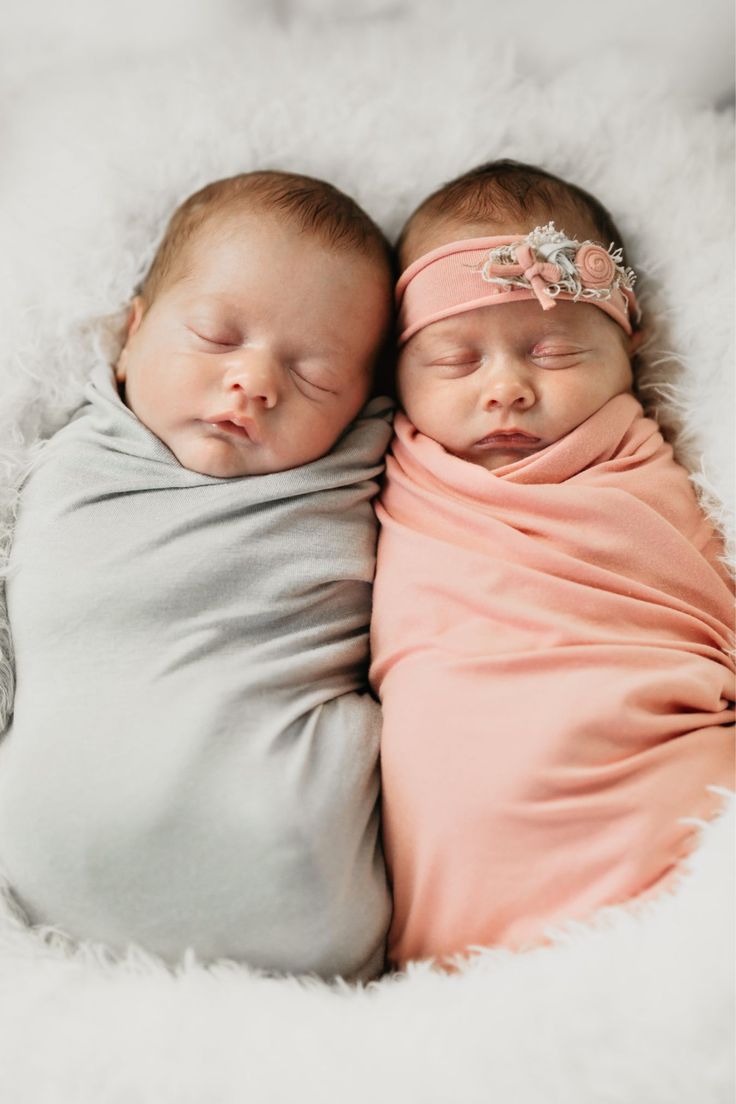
545,265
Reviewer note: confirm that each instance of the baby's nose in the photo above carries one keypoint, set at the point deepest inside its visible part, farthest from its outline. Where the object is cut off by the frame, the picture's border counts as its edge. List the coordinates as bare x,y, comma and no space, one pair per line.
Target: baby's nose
254,374
507,386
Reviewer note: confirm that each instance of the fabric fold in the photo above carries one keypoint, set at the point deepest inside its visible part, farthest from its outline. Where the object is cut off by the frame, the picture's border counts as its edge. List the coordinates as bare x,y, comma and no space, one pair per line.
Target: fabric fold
192,760
551,647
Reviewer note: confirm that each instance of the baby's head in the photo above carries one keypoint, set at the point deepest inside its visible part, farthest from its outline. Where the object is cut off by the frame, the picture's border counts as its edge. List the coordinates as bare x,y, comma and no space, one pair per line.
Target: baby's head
252,343
486,368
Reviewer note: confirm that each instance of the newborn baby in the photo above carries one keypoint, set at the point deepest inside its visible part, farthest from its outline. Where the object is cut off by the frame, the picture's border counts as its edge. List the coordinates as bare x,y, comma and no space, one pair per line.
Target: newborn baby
192,760
551,626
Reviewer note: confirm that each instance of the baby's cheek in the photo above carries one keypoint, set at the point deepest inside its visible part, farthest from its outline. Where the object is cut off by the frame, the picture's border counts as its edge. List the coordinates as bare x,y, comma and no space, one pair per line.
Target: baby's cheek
411,409
405,384
408,388
183,387
432,412
610,383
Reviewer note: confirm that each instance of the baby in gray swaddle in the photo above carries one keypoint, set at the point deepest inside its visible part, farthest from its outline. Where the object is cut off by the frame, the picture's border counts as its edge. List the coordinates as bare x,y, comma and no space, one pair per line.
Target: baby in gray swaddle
192,758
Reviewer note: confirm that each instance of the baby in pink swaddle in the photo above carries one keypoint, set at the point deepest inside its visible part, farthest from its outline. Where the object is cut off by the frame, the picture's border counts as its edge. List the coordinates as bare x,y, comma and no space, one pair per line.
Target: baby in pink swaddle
552,620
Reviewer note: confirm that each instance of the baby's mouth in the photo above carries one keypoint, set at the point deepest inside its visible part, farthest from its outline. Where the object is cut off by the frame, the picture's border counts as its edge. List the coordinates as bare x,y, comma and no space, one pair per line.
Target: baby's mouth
231,427
236,426
509,439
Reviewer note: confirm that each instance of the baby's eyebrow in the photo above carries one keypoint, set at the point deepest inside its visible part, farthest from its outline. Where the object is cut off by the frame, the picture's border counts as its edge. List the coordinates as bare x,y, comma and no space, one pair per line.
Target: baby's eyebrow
454,333
222,307
323,356
556,331
328,344
206,305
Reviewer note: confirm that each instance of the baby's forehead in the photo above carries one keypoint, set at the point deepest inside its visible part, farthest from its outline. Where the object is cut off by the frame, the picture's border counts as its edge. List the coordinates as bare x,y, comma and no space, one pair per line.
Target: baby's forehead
236,224
263,240
519,320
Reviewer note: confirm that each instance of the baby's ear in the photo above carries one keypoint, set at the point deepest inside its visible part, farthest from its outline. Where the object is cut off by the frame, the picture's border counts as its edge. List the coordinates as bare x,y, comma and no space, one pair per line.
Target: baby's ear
635,341
135,317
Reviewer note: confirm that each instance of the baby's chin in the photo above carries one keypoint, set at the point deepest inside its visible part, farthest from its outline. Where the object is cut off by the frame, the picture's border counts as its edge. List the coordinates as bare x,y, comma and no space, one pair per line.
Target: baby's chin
499,458
224,459
221,464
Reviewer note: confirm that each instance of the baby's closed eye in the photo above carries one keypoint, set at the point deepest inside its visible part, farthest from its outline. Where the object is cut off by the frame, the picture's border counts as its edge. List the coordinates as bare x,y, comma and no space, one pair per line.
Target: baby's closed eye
216,335
556,356
312,376
457,363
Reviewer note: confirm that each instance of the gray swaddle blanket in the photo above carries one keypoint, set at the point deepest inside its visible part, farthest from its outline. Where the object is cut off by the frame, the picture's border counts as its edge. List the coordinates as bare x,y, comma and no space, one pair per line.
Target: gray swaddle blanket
192,759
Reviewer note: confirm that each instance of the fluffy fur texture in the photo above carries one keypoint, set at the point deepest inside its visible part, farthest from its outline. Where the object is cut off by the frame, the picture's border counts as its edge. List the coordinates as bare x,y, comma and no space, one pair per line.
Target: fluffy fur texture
636,1007
634,1010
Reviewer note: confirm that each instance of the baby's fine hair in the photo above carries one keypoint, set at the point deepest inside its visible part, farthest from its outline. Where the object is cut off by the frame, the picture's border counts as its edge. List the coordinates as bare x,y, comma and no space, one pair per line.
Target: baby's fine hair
506,189
313,206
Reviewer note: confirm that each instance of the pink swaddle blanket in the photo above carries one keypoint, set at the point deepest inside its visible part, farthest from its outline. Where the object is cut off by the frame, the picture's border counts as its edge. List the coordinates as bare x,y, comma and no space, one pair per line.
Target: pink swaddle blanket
550,647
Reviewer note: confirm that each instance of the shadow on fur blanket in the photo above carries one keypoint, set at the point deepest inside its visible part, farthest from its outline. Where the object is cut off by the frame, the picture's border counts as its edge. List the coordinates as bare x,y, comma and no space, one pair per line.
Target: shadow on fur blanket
636,1008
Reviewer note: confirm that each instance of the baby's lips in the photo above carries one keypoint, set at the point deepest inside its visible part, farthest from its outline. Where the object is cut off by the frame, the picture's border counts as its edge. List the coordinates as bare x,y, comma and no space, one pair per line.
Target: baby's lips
232,420
509,440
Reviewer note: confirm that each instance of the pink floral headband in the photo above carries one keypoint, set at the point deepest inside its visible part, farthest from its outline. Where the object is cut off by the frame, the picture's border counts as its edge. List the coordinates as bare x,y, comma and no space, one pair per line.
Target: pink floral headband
545,265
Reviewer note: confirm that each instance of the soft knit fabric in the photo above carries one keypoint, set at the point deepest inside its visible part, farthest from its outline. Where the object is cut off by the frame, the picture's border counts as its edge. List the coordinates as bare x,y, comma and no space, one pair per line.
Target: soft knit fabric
550,648
193,756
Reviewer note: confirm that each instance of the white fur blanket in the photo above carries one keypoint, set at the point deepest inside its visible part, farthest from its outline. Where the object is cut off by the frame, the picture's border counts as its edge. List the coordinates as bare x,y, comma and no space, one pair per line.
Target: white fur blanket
635,1009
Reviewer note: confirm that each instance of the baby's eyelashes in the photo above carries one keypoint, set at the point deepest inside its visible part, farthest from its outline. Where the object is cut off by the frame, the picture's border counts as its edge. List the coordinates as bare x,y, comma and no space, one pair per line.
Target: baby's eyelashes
302,376
456,363
470,357
214,337
555,355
